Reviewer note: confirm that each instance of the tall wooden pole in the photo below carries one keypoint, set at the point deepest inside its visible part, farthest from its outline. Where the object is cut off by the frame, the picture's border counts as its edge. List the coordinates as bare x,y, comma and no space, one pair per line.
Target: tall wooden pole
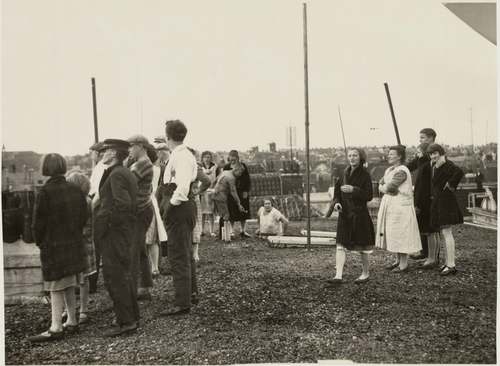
94,105
306,99
343,136
392,112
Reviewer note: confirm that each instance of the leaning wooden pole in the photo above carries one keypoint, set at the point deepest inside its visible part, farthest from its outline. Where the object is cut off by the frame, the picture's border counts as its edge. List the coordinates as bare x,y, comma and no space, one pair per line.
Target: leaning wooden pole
306,100
343,136
94,106
392,113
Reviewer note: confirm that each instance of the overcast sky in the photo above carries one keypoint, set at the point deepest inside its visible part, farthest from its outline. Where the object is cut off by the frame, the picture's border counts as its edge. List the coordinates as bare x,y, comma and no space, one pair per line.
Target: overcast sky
233,71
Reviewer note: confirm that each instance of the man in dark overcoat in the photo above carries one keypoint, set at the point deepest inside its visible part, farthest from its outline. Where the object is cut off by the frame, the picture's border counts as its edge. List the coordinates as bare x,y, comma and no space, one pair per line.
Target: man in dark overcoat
115,225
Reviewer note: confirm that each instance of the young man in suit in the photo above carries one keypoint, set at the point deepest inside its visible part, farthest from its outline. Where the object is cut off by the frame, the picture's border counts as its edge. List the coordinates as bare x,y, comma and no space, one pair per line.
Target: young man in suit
422,195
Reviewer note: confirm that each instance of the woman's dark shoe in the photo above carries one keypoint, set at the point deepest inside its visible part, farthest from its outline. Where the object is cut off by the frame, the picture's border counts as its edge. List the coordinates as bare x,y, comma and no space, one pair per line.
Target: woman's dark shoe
399,270
361,280
391,266
448,271
418,256
428,265
334,282
46,336
70,329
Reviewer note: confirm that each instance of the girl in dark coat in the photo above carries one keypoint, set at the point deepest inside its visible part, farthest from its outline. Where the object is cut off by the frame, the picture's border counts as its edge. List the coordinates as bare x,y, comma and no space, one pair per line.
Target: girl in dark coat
354,228
445,211
60,215
243,189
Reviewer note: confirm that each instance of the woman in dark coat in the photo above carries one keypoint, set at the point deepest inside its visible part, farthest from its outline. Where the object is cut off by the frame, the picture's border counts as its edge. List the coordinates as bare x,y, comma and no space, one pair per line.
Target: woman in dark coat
354,228
445,211
243,189
60,215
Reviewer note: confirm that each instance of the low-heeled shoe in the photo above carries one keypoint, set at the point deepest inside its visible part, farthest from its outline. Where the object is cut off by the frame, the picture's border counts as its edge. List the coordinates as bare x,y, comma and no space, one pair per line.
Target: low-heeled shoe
46,337
448,271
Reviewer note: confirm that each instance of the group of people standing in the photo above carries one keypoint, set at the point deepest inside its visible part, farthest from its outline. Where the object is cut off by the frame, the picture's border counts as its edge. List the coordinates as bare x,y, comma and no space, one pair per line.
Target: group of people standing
137,196
411,218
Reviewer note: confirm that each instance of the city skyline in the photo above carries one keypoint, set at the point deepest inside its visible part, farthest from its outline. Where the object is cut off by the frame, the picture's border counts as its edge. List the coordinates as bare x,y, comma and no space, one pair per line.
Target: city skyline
234,73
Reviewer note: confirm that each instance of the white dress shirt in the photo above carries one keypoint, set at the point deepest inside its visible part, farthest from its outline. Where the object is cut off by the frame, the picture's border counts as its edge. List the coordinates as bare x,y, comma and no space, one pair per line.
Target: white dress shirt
181,170
95,177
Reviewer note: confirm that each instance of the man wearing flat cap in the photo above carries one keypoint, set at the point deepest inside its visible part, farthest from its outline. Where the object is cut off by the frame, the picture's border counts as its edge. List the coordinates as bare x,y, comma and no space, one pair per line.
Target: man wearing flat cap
142,168
179,215
114,230
96,153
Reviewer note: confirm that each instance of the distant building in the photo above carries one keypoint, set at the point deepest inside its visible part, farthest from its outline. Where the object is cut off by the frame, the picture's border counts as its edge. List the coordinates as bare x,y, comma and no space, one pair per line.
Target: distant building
272,147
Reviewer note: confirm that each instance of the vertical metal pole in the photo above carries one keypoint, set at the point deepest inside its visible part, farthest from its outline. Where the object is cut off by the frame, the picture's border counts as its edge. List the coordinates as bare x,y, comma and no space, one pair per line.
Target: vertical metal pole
306,99
291,148
94,105
392,113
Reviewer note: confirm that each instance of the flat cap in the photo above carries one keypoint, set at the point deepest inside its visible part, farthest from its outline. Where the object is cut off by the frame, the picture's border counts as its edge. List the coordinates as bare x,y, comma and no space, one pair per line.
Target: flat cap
115,144
138,140
98,146
160,139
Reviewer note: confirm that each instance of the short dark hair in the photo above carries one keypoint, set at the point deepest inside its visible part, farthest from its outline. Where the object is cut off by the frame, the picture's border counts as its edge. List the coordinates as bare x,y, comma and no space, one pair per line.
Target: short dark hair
175,130
401,150
206,153
429,132
80,180
53,164
436,148
234,153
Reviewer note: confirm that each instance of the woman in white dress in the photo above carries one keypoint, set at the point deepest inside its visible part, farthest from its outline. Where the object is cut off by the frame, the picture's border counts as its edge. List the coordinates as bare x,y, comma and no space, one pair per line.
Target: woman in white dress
397,227
156,232
206,203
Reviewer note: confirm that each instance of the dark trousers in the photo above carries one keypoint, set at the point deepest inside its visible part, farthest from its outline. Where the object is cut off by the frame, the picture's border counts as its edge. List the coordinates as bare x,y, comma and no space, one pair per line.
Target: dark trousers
180,221
141,269
117,262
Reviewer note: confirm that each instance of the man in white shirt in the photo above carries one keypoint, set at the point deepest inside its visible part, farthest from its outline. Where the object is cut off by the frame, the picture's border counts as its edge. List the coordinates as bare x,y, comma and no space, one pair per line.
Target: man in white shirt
178,212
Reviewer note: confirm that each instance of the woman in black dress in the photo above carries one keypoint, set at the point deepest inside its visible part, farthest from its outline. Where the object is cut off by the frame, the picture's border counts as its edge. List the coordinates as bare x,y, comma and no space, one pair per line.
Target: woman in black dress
354,228
243,189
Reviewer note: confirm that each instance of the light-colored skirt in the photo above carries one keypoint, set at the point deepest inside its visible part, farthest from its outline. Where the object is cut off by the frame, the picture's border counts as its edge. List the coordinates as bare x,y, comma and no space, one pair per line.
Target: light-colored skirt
397,227
197,227
63,283
152,233
206,204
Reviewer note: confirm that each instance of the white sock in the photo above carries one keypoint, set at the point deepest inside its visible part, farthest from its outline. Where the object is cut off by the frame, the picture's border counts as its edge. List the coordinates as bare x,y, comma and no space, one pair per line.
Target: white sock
366,265
70,300
340,257
450,246
57,306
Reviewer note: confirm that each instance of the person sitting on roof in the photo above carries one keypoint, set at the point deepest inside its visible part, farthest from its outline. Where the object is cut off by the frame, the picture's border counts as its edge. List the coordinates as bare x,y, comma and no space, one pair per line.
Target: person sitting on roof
271,221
